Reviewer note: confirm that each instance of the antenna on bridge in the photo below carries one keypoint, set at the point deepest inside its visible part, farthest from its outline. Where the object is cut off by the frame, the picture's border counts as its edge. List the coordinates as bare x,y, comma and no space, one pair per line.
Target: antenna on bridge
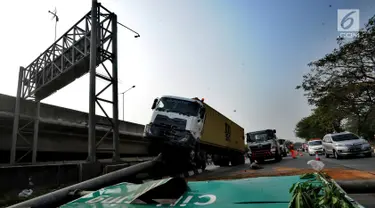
54,13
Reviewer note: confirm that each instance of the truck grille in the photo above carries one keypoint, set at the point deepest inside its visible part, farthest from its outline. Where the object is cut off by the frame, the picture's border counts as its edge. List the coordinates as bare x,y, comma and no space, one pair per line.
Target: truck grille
168,128
165,132
256,148
169,123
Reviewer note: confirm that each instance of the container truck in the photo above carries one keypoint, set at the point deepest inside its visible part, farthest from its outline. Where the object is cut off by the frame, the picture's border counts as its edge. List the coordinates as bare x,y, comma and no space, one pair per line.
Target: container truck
263,145
191,129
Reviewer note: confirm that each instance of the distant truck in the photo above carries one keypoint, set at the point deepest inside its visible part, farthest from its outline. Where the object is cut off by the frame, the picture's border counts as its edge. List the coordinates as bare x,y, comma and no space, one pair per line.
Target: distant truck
191,130
263,145
283,147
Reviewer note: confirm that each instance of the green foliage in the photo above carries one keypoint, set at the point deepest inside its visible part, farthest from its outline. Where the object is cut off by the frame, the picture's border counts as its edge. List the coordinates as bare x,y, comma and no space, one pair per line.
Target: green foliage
318,191
341,87
309,127
322,121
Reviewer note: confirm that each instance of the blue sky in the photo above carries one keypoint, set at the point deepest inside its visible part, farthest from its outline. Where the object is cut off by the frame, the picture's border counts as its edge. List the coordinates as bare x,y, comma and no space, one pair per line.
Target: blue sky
245,57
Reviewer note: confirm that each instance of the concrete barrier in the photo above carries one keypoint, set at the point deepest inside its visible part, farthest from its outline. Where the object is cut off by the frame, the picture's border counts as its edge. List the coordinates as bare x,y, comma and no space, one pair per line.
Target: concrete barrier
16,178
47,177
63,131
60,114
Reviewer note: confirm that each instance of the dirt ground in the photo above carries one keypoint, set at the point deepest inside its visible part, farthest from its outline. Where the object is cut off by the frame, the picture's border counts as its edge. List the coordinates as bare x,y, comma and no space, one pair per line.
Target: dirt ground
335,173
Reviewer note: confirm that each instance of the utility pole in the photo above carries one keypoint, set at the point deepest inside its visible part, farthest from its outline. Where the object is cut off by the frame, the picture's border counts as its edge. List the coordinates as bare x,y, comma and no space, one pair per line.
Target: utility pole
92,92
54,16
123,101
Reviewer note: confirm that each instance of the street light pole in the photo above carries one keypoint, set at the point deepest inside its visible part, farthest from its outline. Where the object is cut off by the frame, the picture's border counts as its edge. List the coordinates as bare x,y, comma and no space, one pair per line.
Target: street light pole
123,101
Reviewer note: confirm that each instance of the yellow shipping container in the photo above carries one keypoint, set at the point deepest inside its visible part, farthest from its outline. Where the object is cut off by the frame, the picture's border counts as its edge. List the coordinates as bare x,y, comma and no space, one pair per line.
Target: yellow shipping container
220,131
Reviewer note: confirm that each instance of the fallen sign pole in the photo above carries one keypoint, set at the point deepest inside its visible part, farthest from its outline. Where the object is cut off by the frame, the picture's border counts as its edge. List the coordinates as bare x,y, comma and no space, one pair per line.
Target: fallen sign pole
61,195
357,186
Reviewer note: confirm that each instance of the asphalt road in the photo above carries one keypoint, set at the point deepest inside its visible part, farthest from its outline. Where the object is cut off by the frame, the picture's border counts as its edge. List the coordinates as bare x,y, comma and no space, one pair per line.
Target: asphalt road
360,164
356,163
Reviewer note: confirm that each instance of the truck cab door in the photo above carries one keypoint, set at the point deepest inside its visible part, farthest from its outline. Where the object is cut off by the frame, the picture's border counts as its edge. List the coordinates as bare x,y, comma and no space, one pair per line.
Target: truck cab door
201,119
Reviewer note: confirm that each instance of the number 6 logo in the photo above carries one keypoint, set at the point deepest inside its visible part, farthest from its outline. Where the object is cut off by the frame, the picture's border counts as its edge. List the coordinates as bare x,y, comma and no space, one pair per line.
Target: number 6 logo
348,20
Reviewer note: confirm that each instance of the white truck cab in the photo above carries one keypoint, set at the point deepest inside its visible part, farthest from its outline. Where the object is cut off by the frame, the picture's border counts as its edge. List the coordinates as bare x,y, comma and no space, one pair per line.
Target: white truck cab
263,145
176,120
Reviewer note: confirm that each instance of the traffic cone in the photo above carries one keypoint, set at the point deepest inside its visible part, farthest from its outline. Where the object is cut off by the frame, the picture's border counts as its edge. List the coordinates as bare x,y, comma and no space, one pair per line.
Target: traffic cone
294,154
317,156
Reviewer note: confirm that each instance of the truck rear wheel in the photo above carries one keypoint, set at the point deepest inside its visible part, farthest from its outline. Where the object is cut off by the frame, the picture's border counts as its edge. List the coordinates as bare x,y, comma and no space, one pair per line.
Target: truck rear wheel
234,160
238,159
154,148
224,162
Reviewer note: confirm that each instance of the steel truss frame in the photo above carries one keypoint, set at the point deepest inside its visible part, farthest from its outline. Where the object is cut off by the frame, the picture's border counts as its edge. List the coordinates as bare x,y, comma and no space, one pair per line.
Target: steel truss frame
67,59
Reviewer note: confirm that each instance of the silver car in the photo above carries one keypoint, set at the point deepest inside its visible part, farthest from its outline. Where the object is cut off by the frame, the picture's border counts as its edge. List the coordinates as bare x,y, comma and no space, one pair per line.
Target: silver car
345,144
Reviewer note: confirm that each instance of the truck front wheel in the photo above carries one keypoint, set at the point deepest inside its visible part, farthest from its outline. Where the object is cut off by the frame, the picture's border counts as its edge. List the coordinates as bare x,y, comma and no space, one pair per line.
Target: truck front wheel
285,153
203,160
154,148
278,157
198,158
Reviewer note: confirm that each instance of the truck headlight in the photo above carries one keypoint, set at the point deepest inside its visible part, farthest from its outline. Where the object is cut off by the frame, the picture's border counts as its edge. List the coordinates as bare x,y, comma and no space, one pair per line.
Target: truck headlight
273,149
147,129
185,136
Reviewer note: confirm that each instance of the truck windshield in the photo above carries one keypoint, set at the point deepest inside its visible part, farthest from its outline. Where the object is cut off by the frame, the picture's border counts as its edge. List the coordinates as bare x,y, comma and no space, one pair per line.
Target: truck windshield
178,106
344,137
261,137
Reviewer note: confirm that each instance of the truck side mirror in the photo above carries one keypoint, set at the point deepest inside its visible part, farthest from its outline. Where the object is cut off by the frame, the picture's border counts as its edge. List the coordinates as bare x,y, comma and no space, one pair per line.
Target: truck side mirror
274,131
154,104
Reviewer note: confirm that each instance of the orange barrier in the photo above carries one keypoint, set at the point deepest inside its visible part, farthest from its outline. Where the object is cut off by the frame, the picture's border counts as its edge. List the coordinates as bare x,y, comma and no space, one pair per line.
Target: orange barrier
294,154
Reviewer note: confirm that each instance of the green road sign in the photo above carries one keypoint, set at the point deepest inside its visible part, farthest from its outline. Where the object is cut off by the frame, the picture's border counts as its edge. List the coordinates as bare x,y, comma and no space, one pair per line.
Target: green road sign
259,192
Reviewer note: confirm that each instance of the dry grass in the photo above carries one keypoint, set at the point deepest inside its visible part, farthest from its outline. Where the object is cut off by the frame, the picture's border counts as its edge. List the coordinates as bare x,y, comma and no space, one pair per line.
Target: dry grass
335,173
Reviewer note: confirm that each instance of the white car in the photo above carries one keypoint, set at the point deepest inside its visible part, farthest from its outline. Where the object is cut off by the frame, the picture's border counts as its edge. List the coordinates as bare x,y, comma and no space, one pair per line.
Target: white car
315,146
